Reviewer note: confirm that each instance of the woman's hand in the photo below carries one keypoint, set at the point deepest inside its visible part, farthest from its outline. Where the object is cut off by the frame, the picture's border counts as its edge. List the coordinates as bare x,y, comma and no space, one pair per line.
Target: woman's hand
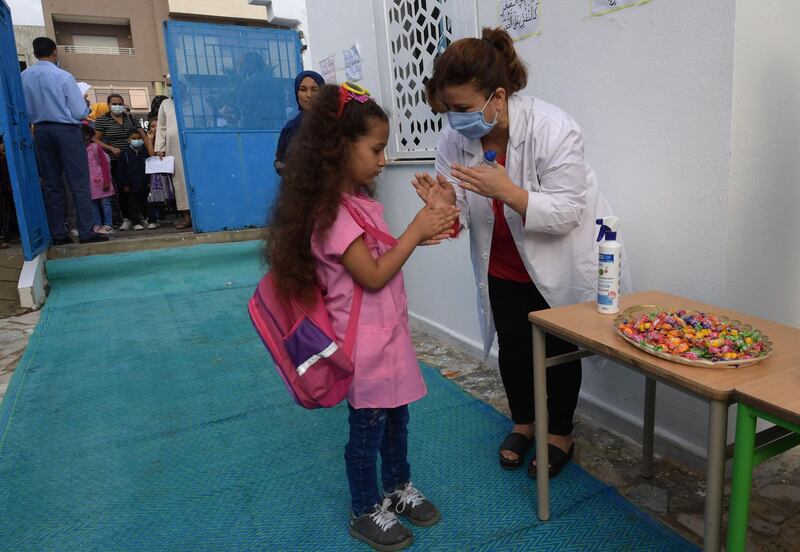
160,154
435,193
116,152
491,182
432,224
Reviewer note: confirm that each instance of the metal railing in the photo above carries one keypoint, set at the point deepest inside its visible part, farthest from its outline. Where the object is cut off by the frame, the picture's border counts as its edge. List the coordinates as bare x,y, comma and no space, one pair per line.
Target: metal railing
103,50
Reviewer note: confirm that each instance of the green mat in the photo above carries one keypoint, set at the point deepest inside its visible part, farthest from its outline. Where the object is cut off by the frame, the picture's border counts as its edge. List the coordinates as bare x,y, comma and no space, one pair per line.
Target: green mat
145,416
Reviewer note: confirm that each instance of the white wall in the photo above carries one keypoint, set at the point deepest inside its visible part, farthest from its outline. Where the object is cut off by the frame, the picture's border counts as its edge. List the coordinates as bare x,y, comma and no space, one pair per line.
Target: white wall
764,195
653,88
336,26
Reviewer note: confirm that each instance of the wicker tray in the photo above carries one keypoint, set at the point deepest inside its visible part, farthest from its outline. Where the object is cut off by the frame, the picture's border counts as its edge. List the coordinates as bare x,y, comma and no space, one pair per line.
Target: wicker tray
637,311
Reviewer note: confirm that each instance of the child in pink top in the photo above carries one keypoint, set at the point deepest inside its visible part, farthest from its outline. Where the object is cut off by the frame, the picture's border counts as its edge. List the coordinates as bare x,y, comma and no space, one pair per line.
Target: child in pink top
100,183
314,240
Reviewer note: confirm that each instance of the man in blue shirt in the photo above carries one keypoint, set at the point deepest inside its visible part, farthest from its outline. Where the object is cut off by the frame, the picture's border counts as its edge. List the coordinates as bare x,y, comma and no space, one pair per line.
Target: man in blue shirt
56,108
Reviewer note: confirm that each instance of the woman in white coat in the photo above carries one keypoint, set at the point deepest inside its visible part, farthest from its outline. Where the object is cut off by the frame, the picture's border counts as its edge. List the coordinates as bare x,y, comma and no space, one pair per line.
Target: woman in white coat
531,221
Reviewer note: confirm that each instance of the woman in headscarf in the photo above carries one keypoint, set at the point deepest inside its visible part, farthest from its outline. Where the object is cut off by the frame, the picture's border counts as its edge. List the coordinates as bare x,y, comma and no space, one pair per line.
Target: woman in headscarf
306,85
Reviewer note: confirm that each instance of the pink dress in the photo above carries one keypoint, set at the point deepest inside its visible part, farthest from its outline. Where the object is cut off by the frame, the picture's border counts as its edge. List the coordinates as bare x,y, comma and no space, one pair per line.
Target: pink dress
99,171
386,371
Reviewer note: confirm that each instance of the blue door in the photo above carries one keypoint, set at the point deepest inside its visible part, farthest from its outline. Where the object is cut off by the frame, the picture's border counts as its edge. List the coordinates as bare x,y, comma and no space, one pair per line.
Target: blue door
18,143
233,89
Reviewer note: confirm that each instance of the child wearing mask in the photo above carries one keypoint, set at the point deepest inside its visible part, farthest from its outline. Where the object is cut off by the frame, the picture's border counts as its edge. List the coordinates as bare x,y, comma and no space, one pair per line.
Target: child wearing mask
133,180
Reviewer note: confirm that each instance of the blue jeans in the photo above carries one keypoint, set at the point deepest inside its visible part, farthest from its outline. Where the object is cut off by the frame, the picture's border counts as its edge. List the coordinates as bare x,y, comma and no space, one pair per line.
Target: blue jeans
61,151
103,216
373,430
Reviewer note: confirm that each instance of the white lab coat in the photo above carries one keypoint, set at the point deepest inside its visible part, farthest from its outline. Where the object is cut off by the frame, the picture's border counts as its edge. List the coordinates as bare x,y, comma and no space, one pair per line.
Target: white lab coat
556,240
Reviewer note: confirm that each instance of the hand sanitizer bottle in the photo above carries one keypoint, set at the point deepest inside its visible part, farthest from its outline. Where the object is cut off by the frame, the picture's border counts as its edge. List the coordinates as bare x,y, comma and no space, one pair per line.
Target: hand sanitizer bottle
609,266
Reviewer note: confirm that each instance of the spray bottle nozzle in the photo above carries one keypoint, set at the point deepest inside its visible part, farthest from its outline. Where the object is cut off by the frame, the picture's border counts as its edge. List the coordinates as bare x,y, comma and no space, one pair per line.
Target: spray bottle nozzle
490,156
608,228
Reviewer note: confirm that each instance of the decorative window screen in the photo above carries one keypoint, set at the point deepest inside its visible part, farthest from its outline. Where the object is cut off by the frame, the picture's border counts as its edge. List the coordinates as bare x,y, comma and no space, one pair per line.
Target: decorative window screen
414,33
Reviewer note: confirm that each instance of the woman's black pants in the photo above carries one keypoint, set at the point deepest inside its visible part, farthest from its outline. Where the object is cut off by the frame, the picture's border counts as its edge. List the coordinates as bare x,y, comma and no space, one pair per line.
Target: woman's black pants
511,302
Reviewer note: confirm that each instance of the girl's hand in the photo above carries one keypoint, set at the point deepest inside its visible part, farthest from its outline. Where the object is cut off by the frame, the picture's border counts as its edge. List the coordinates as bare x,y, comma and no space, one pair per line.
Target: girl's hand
431,223
435,193
491,182
436,240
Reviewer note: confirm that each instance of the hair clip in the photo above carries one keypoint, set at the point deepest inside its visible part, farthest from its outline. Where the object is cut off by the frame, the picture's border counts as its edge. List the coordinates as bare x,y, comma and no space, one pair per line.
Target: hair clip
351,91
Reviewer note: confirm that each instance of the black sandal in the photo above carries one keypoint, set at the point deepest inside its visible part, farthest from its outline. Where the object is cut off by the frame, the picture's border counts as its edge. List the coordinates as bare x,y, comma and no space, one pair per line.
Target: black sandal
557,459
517,443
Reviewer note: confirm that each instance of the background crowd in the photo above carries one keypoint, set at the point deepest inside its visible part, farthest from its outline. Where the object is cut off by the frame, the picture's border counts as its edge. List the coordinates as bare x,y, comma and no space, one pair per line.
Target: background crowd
92,158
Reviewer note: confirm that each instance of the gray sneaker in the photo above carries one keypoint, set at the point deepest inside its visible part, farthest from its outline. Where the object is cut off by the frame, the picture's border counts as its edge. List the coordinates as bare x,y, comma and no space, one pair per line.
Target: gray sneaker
409,502
381,529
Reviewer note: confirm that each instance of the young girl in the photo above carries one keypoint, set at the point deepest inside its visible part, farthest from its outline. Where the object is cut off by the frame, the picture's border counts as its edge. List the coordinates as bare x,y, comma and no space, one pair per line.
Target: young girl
313,239
101,186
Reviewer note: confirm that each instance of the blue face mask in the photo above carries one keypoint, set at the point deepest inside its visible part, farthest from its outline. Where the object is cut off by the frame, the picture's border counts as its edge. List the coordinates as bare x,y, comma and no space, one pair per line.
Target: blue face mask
471,124
137,143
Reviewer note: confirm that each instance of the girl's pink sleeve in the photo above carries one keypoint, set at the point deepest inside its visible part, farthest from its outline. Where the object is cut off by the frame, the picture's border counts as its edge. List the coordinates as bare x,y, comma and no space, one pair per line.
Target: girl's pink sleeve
342,233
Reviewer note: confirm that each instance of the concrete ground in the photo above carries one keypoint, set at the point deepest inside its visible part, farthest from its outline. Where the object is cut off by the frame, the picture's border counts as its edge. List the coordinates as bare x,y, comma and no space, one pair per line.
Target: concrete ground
675,494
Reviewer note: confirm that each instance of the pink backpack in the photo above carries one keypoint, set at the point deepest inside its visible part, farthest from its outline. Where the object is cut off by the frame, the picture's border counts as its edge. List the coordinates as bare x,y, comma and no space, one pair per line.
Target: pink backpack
316,369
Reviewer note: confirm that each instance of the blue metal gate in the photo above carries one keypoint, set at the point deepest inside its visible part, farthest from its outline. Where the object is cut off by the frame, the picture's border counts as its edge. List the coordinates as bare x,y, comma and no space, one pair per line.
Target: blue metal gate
18,143
234,90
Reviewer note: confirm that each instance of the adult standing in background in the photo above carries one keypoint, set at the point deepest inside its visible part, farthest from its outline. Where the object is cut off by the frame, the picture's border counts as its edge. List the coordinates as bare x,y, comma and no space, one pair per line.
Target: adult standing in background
168,142
56,108
306,85
111,132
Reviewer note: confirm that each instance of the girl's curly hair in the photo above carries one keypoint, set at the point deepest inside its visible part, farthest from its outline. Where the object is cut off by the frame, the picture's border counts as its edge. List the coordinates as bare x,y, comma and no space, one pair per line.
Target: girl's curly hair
316,162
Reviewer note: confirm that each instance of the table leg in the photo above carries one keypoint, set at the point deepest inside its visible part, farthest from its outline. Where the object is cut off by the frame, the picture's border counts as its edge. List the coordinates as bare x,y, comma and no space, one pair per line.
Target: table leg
648,427
715,474
742,478
540,398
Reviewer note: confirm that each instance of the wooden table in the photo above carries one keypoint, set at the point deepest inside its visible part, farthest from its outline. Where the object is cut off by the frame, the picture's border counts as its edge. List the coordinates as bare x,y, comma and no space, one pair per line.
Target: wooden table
776,399
594,333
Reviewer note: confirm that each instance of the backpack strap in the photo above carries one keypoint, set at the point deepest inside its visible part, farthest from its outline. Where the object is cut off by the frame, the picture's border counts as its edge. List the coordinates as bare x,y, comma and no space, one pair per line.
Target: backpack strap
358,293
373,231
352,324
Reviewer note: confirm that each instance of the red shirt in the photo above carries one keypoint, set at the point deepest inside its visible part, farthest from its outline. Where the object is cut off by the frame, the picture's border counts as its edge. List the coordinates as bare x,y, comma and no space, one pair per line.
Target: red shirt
504,260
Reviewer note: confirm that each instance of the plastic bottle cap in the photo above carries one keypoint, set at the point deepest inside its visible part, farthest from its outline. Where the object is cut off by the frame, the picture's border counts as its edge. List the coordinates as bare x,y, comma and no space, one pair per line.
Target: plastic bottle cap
490,156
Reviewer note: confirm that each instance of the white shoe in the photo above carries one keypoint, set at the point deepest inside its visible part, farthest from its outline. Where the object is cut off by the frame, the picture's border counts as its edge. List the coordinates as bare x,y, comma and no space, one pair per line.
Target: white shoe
138,227
152,226
74,232
126,225
100,229
108,229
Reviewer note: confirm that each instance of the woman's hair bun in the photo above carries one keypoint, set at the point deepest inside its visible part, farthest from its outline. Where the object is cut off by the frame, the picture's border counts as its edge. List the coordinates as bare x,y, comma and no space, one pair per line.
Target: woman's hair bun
503,43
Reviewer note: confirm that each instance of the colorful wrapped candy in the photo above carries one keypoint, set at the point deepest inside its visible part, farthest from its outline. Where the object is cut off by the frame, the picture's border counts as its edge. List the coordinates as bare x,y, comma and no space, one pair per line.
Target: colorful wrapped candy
694,336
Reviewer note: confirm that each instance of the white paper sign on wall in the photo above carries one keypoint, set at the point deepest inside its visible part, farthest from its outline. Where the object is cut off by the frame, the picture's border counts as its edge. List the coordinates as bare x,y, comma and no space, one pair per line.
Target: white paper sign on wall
352,64
327,67
603,7
520,18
